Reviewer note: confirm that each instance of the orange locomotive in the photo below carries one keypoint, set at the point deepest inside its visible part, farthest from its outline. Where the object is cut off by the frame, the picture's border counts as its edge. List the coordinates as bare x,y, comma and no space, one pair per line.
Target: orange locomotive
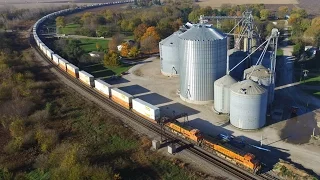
185,131
223,147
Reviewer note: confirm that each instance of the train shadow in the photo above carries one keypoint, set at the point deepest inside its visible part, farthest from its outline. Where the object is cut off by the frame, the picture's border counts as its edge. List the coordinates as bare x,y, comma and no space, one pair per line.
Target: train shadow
174,109
154,98
134,89
114,81
208,128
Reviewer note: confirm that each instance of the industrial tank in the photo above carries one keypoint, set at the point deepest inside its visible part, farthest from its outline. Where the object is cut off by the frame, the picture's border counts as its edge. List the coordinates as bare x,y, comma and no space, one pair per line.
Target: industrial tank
261,75
222,94
203,56
266,60
169,55
234,58
248,105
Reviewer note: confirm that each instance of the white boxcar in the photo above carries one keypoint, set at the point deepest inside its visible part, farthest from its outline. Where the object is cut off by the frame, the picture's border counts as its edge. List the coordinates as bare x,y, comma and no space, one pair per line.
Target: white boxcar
121,97
73,70
56,58
49,53
63,64
86,78
44,49
103,87
145,109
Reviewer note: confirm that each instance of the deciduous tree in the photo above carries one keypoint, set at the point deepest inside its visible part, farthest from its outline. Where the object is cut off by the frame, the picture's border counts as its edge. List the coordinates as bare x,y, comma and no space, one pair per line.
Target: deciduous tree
151,32
115,42
134,52
125,48
282,11
139,31
60,21
149,44
265,14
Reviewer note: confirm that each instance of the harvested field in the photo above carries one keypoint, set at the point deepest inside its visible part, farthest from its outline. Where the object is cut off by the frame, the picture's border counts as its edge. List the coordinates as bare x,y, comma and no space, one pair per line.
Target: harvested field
312,6
218,3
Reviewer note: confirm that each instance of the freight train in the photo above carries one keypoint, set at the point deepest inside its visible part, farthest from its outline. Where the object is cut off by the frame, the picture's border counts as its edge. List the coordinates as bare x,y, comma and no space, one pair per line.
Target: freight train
219,145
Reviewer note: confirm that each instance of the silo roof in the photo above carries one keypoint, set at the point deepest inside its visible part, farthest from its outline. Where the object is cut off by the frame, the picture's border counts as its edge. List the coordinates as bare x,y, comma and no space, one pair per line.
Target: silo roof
247,87
202,32
172,39
226,80
259,71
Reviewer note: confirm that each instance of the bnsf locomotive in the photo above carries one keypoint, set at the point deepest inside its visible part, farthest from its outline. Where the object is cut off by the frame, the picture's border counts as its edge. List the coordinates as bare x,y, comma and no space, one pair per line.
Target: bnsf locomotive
223,147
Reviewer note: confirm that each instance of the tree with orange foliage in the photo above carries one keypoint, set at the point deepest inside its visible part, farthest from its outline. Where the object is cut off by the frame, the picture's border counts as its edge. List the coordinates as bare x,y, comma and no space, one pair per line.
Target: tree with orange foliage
125,49
151,32
139,31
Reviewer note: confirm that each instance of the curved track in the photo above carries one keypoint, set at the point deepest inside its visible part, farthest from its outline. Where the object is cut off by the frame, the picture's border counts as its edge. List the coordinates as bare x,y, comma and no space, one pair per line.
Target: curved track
211,158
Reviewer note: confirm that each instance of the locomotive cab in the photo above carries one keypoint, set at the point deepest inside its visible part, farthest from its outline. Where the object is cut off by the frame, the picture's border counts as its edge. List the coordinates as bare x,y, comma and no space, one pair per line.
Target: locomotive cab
196,134
252,163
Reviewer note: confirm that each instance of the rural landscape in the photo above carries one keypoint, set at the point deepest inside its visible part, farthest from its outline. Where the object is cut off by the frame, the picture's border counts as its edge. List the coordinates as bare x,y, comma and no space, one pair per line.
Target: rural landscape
148,89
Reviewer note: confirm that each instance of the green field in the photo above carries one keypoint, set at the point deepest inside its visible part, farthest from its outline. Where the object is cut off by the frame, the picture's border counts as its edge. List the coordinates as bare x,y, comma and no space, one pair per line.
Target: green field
101,71
69,29
89,45
313,81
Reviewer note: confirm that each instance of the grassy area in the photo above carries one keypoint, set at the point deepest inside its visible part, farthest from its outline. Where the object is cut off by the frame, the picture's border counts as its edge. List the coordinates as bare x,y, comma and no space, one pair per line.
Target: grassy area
69,29
100,71
312,81
89,45
52,132
279,52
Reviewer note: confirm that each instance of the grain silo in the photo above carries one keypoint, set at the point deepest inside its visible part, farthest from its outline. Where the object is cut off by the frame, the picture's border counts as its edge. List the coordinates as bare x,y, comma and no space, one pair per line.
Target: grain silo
248,105
236,57
260,75
266,59
169,55
203,56
222,94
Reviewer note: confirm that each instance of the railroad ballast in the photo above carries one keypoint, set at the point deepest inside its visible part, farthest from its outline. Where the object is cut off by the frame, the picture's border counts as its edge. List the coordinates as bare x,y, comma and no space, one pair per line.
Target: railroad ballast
220,145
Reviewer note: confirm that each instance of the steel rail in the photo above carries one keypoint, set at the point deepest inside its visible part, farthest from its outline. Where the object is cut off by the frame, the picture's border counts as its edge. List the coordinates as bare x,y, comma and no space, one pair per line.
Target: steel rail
209,157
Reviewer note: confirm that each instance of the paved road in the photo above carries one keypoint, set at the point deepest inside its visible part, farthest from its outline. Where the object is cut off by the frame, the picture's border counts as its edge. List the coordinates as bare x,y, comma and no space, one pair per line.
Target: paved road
287,91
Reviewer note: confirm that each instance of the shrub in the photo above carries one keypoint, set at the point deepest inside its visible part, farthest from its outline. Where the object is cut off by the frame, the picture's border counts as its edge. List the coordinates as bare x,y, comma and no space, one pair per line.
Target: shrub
5,174
17,128
13,146
46,139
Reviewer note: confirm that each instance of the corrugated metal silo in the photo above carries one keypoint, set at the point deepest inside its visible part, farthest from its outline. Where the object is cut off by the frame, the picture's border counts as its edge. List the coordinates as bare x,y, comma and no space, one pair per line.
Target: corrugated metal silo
260,75
203,55
265,60
222,94
248,105
169,55
234,58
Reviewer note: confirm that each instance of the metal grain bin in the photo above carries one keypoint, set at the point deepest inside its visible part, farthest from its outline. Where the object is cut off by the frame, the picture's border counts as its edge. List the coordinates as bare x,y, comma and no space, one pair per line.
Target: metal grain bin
147,110
248,105
234,58
169,55
266,60
203,57
222,94
261,75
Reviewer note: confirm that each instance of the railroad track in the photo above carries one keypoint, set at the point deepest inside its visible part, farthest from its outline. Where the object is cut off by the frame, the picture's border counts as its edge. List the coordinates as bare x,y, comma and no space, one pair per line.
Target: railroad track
209,157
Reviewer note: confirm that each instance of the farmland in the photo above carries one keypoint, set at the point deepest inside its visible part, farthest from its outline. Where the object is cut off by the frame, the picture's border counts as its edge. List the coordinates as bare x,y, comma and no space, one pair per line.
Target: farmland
218,3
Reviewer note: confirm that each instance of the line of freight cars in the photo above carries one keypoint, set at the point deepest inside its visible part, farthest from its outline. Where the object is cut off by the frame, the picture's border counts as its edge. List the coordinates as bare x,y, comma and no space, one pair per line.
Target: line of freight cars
219,145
